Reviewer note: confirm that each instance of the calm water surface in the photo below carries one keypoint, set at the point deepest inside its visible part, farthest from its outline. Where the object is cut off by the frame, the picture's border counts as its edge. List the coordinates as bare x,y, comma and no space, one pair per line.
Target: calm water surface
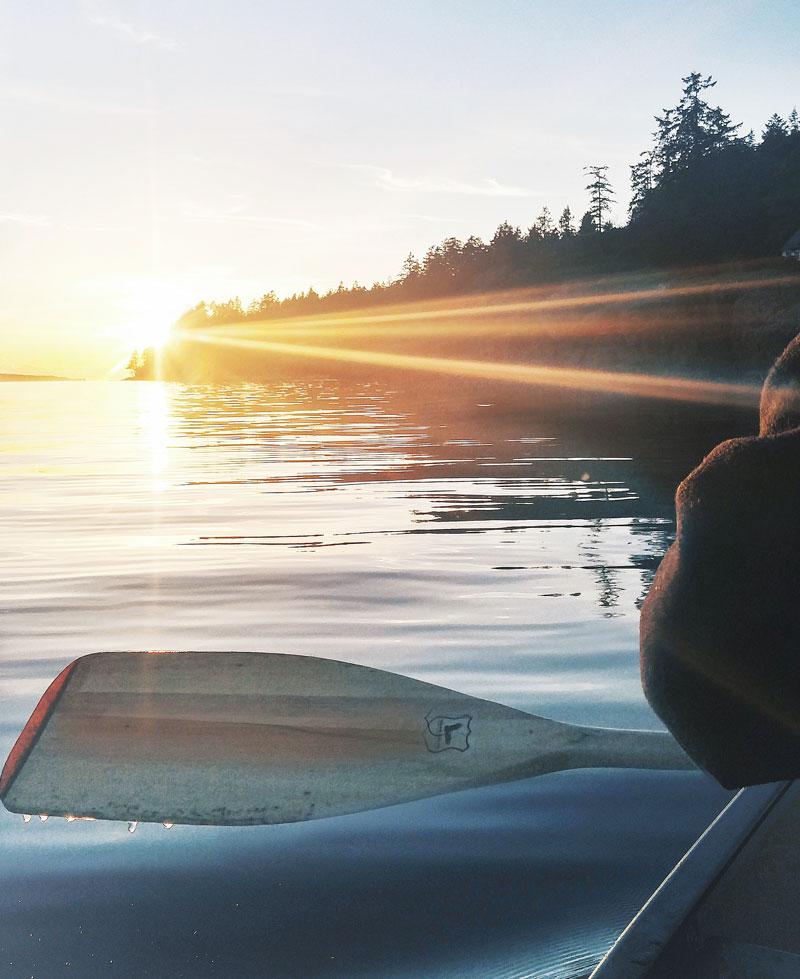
492,540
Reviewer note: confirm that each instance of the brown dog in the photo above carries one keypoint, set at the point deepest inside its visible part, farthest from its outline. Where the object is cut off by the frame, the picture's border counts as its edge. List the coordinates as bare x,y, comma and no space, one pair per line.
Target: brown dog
720,628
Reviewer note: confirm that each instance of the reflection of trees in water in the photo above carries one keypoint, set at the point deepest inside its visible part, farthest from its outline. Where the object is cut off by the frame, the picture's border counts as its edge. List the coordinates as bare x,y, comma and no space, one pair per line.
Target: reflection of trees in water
607,577
654,538
527,505
655,542
473,457
630,449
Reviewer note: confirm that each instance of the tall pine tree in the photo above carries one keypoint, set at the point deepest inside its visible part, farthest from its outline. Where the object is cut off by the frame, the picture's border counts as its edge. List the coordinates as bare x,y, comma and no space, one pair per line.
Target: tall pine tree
600,194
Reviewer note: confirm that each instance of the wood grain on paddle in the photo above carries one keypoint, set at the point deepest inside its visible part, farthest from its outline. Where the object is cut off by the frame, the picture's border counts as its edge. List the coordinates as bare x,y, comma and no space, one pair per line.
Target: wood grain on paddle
241,738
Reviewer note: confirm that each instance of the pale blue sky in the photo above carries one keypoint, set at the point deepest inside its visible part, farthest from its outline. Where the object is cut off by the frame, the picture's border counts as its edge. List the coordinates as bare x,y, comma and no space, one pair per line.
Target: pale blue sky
156,154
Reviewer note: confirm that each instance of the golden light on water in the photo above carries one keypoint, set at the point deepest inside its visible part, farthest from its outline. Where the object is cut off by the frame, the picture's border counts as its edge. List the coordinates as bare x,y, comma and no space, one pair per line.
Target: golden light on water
154,418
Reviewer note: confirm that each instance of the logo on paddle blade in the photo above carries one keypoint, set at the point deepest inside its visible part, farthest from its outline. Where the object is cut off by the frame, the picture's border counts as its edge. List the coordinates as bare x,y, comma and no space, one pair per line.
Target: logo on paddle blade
442,733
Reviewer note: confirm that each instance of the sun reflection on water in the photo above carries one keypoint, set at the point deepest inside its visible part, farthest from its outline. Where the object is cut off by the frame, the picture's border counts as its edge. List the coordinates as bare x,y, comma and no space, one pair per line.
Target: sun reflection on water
154,417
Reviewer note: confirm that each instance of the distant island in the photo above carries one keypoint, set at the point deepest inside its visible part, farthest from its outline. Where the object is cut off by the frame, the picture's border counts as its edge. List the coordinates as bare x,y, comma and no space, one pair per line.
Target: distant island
710,209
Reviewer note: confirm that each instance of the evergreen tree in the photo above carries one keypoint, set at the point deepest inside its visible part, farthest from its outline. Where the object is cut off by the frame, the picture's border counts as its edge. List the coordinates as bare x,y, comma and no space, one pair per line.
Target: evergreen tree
194,318
506,257
692,130
775,135
505,234
664,148
600,194
134,364
543,226
411,269
641,184
473,258
700,194
268,303
566,226
229,312
142,366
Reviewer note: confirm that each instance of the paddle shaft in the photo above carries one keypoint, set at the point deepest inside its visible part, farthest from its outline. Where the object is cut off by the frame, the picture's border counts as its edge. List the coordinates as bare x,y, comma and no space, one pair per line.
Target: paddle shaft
622,748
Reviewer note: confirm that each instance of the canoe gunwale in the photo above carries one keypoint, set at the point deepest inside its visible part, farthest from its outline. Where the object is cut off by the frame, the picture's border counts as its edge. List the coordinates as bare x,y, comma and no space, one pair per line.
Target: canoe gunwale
639,946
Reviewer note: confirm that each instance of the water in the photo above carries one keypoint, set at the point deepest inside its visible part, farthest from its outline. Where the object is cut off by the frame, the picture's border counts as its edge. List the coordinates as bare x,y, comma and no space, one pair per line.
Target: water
495,540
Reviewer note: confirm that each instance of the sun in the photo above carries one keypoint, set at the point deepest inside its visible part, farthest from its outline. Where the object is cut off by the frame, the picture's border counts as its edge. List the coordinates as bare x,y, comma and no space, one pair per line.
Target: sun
151,330
148,309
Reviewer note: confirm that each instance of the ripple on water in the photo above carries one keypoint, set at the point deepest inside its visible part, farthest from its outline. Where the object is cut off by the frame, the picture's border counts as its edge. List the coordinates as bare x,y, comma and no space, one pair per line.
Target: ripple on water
499,548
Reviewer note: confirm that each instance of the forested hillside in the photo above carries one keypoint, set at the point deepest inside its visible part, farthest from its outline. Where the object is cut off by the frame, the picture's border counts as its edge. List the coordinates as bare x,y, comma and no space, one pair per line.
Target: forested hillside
706,201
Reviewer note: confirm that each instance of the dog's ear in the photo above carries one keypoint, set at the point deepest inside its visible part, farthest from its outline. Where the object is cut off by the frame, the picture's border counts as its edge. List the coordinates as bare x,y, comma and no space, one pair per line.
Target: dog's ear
780,396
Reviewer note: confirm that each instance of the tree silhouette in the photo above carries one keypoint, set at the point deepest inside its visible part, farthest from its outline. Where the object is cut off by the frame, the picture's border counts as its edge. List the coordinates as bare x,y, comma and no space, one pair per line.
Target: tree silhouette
134,364
543,225
699,129
600,194
142,366
700,194
411,270
566,226
641,184
691,130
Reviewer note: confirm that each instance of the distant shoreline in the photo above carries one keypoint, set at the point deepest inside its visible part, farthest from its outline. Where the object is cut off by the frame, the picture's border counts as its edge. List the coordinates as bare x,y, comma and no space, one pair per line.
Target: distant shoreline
37,377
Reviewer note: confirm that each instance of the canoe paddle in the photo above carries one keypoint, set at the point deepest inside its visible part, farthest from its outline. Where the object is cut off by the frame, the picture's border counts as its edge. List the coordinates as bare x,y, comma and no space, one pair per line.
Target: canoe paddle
232,738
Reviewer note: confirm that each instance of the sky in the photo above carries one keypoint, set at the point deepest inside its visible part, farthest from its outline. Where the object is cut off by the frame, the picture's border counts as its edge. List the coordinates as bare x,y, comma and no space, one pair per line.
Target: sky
156,154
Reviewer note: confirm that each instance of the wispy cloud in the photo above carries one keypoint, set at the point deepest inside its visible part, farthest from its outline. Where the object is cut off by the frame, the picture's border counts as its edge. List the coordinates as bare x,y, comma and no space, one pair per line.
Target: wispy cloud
287,90
487,187
100,228
394,221
98,15
70,102
238,212
29,220
437,219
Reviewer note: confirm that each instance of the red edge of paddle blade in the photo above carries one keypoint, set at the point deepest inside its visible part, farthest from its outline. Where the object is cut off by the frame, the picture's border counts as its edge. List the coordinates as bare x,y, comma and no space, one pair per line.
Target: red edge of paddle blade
32,729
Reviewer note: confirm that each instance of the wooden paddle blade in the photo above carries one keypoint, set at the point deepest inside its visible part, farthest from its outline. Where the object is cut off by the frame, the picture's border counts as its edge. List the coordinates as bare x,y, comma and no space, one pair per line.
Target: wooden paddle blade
247,738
